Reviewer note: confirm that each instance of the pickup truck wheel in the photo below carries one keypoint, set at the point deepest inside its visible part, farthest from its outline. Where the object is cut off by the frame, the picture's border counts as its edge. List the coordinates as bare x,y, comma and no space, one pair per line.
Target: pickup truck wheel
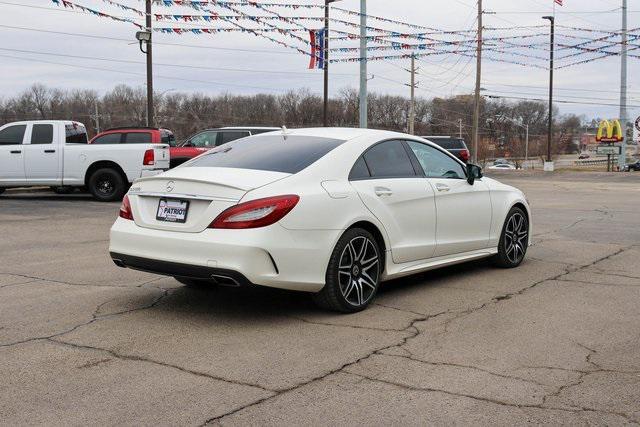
107,185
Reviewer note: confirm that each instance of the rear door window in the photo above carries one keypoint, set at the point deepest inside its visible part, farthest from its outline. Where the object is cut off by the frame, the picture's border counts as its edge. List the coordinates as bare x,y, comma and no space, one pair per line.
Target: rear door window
448,143
76,134
204,139
42,134
389,159
228,136
12,135
436,164
269,153
110,138
137,138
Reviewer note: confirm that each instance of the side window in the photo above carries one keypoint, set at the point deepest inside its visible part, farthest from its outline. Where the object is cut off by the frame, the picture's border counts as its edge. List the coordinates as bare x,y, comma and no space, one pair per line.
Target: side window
205,139
228,136
110,138
435,163
42,134
389,160
76,134
359,170
137,138
12,135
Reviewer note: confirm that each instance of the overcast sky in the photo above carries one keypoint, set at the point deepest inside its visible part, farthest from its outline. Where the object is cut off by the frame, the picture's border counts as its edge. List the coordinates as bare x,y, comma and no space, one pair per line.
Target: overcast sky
276,69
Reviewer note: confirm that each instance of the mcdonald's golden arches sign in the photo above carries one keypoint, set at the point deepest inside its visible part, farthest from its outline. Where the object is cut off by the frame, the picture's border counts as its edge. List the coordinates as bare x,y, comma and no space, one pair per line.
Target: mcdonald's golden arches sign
610,131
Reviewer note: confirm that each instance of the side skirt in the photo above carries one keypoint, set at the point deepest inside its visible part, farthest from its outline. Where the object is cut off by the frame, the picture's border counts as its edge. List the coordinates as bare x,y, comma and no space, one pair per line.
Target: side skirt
394,271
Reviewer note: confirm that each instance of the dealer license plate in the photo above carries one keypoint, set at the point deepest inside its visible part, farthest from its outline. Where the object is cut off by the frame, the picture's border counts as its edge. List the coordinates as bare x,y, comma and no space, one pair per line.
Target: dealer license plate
172,210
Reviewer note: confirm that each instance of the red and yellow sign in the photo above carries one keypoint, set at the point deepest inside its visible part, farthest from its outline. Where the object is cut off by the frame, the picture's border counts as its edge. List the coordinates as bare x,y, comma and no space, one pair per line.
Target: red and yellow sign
610,131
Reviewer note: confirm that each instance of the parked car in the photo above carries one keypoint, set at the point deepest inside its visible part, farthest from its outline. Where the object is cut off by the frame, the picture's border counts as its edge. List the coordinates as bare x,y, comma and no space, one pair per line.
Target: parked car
210,138
255,212
583,156
55,153
141,135
633,166
502,166
455,146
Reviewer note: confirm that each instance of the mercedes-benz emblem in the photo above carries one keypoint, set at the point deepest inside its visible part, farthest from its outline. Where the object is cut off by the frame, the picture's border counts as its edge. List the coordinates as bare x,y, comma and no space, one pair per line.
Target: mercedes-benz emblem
170,186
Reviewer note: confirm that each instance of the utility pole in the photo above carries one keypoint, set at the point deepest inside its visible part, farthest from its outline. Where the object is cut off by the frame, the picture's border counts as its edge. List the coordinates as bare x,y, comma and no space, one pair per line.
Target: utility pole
622,160
97,117
363,64
412,106
476,107
460,126
325,107
552,21
150,112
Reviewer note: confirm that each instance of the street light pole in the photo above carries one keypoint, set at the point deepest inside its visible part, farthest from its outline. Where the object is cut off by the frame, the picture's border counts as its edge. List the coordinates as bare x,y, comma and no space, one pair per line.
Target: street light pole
622,160
325,108
150,112
552,21
363,64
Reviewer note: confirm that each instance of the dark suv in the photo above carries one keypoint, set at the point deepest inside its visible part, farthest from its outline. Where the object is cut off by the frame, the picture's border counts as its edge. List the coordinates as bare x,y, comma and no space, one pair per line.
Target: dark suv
455,146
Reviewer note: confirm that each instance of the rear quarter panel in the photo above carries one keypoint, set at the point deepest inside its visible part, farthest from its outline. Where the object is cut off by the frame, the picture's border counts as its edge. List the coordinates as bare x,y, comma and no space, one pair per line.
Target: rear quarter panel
79,157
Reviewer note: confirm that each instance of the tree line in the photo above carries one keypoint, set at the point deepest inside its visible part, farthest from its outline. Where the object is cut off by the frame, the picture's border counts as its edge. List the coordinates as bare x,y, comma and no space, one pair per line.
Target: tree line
187,113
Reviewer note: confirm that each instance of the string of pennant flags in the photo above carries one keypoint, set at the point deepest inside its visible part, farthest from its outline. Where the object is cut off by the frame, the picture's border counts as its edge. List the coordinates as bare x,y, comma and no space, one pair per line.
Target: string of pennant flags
505,48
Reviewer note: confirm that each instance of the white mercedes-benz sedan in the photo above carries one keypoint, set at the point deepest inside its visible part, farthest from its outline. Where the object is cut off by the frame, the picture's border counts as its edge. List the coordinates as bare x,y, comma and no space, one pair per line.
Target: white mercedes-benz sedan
329,211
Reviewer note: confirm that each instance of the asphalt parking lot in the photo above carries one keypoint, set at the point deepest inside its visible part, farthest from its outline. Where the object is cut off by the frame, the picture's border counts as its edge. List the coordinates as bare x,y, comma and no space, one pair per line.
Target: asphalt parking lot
556,341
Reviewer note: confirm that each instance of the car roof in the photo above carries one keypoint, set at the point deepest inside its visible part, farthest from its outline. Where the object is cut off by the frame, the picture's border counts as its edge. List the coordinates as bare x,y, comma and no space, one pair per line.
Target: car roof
347,134
248,128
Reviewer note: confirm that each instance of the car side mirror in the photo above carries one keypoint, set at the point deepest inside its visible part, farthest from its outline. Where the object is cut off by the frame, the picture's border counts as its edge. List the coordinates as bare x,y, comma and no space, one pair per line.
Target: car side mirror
473,172
188,144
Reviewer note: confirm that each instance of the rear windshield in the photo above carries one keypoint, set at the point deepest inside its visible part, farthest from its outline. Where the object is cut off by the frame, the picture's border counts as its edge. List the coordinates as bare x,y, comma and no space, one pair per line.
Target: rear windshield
448,143
268,153
76,134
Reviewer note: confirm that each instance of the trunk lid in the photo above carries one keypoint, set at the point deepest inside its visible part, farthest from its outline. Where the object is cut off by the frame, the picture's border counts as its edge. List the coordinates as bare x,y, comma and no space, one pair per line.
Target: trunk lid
207,191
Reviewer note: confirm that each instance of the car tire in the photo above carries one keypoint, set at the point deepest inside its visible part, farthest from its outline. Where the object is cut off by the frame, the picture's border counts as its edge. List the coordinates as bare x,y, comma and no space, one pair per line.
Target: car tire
107,185
196,283
514,239
353,273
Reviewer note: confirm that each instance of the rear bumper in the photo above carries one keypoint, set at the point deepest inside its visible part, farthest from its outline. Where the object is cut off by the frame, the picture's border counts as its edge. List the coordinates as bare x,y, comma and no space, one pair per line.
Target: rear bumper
270,256
219,275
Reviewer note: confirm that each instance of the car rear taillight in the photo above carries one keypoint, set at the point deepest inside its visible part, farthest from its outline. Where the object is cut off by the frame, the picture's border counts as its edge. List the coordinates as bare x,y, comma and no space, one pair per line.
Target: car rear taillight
149,158
464,155
256,213
125,209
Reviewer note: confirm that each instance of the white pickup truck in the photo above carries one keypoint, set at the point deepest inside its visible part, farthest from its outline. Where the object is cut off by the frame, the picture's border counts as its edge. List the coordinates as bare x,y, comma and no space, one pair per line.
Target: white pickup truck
55,153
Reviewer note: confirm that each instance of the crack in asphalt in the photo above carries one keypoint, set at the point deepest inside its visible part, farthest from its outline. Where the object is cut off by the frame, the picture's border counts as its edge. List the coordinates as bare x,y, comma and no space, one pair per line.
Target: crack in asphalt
539,238
130,357
458,365
95,316
60,282
615,285
330,372
415,332
490,400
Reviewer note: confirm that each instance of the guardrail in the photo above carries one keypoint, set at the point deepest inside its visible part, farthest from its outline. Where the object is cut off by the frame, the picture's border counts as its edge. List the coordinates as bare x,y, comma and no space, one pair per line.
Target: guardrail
595,162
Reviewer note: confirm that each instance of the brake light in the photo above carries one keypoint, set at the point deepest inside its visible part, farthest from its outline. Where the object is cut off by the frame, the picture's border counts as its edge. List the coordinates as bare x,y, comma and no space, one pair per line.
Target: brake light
464,154
256,213
125,209
149,158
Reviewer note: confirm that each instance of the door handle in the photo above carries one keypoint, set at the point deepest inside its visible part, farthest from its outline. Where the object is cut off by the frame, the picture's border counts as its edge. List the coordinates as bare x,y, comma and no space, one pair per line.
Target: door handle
49,151
383,191
442,187
15,151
